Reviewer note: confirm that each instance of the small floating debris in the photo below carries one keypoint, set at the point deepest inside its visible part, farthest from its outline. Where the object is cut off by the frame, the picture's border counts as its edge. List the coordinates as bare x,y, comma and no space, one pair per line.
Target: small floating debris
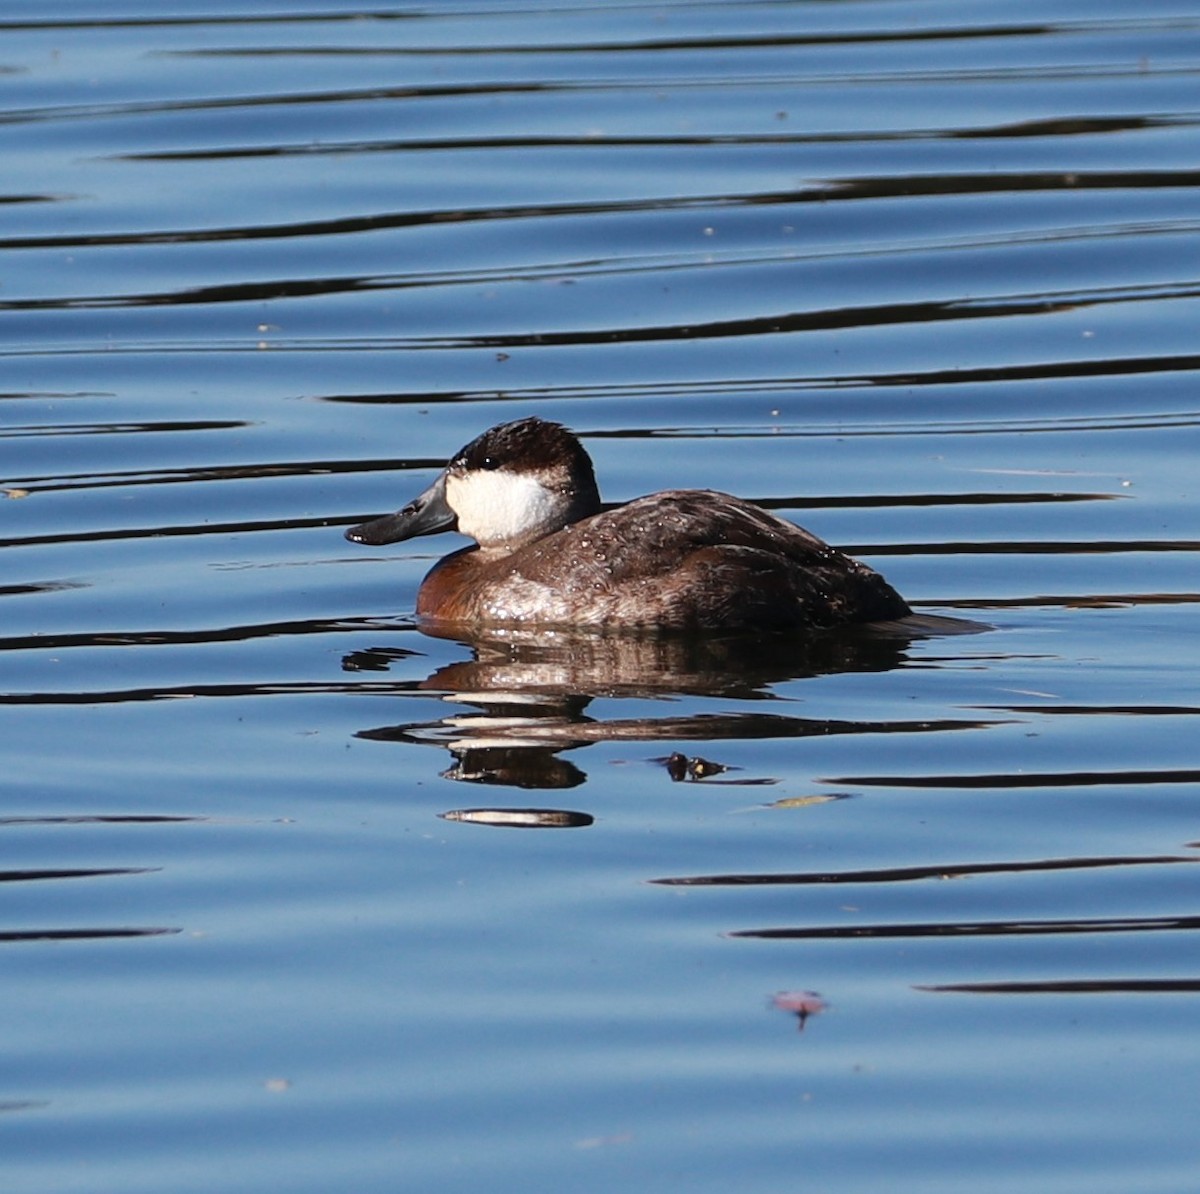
680,767
604,1141
806,801
520,818
800,1004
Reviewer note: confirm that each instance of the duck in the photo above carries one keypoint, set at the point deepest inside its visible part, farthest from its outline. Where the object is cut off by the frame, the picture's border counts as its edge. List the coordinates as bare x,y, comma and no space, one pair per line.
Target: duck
547,553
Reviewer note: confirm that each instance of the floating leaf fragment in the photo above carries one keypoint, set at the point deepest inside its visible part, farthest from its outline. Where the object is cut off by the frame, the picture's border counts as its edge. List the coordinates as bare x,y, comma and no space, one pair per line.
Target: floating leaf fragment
805,801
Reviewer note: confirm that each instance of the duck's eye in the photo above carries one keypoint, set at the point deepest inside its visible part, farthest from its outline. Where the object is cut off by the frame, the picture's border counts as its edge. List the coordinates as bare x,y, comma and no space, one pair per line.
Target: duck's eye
473,457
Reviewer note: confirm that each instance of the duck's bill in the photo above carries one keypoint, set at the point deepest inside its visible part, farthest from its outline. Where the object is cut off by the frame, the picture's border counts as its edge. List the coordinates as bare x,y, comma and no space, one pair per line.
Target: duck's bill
424,515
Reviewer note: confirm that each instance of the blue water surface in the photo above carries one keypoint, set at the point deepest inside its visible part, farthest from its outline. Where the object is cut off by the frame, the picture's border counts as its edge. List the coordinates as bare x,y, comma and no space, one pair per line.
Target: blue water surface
297,896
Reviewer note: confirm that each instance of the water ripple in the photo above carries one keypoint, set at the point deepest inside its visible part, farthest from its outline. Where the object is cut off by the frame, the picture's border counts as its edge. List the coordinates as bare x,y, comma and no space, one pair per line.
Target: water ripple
923,277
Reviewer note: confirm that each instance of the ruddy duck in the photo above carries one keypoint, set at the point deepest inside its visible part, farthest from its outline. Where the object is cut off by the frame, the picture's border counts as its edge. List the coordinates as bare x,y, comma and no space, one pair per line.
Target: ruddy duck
549,555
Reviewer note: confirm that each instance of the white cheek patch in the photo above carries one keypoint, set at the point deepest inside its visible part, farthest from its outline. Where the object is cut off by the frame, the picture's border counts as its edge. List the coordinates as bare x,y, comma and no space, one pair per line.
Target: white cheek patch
500,507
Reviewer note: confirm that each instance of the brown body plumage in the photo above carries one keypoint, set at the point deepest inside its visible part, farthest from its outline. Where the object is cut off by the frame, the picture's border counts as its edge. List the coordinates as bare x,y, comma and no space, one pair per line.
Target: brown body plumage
679,559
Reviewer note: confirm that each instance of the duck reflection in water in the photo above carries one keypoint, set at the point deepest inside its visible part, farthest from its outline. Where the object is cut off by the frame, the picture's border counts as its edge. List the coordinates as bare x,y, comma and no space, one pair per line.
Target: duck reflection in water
680,592
533,693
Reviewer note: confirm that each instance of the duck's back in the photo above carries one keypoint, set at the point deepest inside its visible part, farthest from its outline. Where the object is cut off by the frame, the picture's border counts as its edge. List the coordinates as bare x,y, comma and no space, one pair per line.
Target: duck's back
676,559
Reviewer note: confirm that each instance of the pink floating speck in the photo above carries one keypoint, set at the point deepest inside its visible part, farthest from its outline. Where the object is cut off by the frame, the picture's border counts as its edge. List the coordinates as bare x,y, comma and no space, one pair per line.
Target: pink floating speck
800,1004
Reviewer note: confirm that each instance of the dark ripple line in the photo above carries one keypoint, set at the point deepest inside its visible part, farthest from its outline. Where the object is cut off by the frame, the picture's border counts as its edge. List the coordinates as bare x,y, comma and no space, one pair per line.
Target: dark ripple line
1097,710
916,873
1050,127
57,395
780,323
979,928
1051,423
358,224
1069,986
582,85
82,934
783,386
896,314
1026,547
851,188
281,100
34,198
1027,779
1067,600
356,15
1059,127
170,21
28,588
201,474
829,319
183,692
723,41
102,819
1111,367
212,347
74,873
222,634
167,532
837,317
613,266
50,430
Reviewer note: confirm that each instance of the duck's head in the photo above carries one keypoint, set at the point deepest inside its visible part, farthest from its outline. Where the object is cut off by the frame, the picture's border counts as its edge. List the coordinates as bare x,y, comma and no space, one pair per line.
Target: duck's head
511,485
